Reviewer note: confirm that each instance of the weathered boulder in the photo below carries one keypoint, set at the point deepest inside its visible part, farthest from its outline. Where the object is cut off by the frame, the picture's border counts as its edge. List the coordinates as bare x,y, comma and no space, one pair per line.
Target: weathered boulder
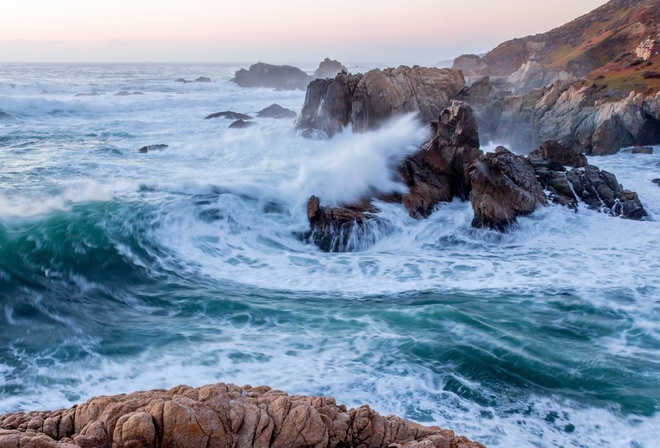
218,416
329,69
439,171
557,153
276,111
229,115
282,77
241,124
148,148
366,101
504,186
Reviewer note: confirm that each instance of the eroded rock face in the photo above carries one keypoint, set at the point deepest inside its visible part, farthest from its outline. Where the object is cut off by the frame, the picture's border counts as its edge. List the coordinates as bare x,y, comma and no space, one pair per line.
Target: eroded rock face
218,416
329,68
504,186
282,77
366,101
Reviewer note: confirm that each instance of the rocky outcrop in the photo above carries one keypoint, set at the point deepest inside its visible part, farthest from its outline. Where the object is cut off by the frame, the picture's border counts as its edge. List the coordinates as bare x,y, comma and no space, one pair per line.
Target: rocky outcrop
241,124
281,77
229,115
558,154
567,112
276,111
439,171
504,187
146,149
329,69
366,101
203,79
218,416
346,228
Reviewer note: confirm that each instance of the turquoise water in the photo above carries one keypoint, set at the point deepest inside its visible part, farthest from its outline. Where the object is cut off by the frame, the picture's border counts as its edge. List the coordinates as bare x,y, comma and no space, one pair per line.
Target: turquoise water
122,271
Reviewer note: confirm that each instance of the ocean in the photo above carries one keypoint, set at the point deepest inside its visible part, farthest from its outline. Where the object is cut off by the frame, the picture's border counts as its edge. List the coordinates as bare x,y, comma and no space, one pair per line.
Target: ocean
124,271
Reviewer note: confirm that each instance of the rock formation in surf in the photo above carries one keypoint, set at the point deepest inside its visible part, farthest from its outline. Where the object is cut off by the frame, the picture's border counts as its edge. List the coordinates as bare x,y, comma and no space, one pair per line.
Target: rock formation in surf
329,68
218,416
229,115
281,77
365,101
276,111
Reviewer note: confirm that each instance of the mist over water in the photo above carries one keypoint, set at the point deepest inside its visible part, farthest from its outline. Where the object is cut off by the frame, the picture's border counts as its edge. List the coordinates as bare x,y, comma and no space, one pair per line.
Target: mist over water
122,271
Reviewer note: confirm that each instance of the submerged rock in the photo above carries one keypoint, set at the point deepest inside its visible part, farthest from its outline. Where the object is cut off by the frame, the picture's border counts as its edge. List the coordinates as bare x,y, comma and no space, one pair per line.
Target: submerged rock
218,416
642,150
366,101
329,69
283,77
504,187
183,80
229,115
241,124
148,148
276,111
4,115
203,79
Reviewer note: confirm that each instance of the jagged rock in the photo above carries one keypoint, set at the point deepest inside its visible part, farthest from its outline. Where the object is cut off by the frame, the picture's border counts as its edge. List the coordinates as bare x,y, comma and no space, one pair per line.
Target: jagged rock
148,148
438,172
283,77
346,228
504,186
366,101
276,111
230,115
203,79
601,191
329,69
557,153
241,124
218,416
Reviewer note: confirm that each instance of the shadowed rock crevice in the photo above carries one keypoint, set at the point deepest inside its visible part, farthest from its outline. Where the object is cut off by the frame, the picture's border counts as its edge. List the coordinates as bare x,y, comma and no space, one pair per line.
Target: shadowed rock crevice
218,416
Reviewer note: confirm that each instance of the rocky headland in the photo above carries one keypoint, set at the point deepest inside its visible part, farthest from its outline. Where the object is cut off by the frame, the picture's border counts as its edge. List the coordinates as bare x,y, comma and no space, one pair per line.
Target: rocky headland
218,416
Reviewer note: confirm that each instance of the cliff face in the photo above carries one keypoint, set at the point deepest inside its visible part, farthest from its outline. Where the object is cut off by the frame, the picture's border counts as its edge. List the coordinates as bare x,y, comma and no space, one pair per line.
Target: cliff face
366,101
218,416
599,44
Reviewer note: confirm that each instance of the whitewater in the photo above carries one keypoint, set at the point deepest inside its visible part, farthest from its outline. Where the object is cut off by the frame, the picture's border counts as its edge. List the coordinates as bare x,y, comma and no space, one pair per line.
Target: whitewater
124,271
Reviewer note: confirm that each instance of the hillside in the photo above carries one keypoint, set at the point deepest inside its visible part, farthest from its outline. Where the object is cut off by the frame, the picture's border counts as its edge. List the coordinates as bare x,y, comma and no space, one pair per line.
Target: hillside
599,46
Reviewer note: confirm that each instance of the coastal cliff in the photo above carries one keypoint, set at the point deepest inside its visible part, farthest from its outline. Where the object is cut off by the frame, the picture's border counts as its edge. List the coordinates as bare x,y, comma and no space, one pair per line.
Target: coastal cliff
218,416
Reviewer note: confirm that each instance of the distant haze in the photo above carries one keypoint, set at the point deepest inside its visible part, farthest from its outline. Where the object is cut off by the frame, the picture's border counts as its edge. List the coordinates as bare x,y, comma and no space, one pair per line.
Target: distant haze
398,31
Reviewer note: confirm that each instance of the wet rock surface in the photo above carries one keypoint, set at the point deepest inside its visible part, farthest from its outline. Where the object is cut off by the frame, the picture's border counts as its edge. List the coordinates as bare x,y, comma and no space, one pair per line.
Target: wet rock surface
329,68
504,187
241,124
219,416
146,149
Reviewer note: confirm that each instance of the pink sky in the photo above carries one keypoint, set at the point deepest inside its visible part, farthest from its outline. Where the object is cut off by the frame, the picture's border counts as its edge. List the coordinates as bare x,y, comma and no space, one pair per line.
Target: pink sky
401,31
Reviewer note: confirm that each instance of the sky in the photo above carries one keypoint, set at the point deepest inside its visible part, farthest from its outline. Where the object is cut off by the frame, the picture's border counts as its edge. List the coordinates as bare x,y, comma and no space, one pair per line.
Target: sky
410,32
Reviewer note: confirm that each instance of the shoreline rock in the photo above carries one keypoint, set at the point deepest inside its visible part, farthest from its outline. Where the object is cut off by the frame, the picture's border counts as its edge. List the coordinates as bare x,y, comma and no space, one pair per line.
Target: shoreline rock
281,77
218,416
329,68
276,111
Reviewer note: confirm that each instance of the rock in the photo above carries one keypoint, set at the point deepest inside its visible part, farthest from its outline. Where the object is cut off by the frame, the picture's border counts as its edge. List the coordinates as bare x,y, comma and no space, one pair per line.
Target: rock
241,124
282,77
230,115
203,79
346,228
329,69
656,181
148,148
642,150
469,64
276,111
601,191
555,152
4,115
123,93
89,94
439,171
221,416
504,186
366,101
183,80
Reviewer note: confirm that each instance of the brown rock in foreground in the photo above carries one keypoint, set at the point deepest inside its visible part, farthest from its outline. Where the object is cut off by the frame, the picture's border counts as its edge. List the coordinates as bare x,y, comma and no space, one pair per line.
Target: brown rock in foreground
218,415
